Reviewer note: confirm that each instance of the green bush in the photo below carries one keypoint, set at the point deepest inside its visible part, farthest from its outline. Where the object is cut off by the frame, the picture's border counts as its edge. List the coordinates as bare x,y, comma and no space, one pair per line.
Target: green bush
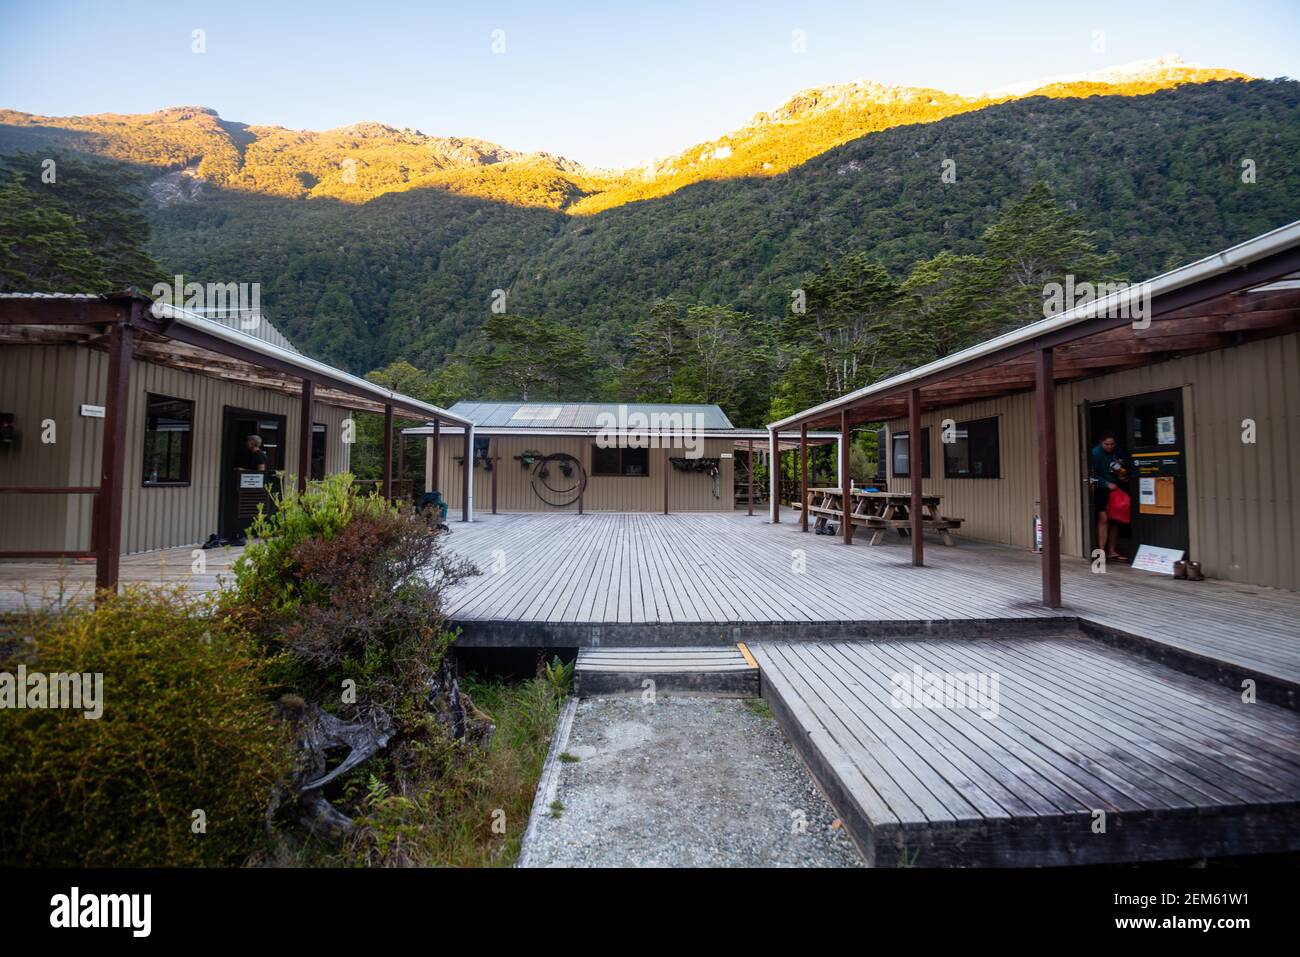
344,587
186,726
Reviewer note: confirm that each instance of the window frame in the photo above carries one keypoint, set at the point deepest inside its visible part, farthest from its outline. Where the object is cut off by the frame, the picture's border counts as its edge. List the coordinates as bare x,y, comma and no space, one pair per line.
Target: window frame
622,466
997,449
187,444
925,453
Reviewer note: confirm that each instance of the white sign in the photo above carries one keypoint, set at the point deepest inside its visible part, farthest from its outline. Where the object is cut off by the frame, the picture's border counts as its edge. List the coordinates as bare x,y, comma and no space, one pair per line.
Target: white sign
252,480
1152,558
725,455
93,411
1147,491
1165,430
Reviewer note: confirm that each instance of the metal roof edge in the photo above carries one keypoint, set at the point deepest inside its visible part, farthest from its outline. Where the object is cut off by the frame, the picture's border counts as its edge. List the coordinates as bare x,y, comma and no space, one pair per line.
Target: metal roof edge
1239,255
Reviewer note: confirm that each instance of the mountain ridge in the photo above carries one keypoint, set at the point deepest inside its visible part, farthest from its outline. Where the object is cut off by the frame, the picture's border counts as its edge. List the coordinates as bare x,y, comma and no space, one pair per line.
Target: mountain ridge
358,162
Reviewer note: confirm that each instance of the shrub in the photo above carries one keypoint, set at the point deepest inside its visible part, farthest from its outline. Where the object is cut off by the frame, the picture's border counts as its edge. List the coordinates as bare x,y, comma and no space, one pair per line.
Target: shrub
186,727
349,587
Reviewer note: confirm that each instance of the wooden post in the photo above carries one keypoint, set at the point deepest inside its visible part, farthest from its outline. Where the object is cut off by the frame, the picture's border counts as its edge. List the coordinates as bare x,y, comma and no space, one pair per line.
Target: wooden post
117,394
467,479
495,464
401,460
846,479
774,474
304,433
434,485
916,466
803,476
751,477
1048,501
388,453
667,468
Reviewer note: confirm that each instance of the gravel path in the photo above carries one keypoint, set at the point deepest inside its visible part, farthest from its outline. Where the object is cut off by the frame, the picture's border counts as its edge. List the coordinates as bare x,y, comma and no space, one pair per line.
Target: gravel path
684,782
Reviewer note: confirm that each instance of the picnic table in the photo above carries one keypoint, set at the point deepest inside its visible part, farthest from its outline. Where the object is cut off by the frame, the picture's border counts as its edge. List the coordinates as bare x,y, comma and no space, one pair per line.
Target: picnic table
880,511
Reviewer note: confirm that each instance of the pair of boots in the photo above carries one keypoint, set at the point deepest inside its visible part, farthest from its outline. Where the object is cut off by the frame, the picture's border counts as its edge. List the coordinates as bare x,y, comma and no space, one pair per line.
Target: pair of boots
1188,571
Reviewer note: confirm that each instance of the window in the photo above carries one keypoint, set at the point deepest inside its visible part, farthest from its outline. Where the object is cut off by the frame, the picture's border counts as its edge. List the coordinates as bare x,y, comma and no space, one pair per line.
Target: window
973,453
317,451
900,455
616,461
168,440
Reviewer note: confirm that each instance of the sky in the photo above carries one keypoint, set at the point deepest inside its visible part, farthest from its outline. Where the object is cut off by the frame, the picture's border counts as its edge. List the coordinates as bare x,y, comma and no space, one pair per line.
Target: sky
611,83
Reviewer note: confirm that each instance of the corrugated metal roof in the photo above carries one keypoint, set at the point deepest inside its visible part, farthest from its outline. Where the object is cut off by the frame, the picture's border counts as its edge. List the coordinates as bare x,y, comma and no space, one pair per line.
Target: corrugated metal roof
585,415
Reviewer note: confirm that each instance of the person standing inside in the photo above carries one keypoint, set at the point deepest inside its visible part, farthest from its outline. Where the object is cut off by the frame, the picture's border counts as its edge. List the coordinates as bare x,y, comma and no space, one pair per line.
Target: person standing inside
254,457
1106,473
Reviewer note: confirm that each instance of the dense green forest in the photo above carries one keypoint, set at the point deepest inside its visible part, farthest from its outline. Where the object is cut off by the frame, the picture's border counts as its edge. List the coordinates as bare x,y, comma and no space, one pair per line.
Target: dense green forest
688,295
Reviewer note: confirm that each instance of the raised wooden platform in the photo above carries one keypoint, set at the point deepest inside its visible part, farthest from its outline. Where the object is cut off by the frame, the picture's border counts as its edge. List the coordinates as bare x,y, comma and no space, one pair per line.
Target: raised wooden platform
719,578
1078,753
718,671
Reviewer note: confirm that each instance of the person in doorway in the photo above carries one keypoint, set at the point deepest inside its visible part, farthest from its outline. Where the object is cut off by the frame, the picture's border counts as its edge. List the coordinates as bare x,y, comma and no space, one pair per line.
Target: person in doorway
254,457
1106,473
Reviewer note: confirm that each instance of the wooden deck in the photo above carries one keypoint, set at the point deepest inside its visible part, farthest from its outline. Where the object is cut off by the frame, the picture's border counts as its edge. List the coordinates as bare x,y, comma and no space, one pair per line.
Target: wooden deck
1078,753
603,575
33,585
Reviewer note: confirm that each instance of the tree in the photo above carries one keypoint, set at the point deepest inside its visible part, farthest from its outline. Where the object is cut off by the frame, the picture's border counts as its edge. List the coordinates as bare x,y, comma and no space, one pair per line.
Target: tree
41,248
658,342
525,357
838,329
83,231
1037,241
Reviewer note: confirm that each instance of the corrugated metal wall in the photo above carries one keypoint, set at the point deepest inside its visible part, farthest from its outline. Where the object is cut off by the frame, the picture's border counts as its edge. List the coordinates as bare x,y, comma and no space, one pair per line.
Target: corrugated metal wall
62,378
1244,498
34,386
687,491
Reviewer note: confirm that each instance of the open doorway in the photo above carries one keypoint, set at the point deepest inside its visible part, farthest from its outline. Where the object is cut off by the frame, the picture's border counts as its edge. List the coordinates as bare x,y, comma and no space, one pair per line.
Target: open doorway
1151,445
243,488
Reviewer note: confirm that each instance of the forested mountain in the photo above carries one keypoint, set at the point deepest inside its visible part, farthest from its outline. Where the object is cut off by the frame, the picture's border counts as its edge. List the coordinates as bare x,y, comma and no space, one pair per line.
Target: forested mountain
374,244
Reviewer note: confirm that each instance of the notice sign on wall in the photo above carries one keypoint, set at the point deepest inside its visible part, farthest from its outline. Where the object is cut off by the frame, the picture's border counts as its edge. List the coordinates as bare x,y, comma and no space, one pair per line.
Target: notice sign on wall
252,480
1152,558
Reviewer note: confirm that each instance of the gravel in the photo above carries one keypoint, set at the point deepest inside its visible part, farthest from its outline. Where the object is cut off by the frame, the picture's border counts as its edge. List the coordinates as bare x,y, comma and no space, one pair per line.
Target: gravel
686,781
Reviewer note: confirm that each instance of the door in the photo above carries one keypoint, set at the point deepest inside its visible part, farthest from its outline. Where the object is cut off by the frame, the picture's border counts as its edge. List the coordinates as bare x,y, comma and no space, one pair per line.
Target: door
1152,447
241,489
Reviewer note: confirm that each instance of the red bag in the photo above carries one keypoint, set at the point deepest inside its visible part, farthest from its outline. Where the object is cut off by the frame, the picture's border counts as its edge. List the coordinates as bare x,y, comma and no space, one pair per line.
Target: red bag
1118,506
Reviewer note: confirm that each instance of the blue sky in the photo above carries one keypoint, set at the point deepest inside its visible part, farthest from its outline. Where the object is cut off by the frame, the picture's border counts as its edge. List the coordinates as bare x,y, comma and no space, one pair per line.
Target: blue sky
610,83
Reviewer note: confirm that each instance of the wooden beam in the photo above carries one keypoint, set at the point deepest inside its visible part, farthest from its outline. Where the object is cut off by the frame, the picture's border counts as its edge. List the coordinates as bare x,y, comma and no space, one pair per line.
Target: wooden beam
117,395
467,479
773,477
751,476
1049,510
803,477
401,457
304,433
667,467
388,453
916,466
846,479
434,467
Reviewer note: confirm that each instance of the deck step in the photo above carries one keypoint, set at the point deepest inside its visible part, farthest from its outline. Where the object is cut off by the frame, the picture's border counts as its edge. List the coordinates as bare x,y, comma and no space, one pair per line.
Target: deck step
728,671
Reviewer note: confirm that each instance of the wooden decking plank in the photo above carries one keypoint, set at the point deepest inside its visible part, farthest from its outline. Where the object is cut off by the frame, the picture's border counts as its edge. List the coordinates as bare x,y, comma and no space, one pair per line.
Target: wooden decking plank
948,777
853,756
1132,792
